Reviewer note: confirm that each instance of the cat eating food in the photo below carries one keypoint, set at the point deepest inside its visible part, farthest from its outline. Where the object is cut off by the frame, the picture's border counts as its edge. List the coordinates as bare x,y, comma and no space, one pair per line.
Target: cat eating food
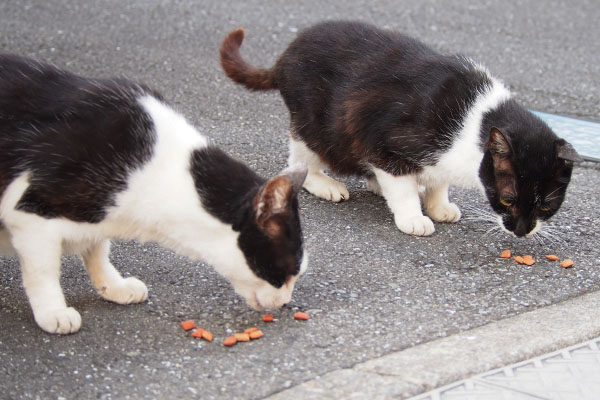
85,160
379,104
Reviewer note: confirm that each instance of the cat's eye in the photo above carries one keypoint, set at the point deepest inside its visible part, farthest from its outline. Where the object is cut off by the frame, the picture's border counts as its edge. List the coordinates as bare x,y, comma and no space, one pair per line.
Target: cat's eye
507,202
544,208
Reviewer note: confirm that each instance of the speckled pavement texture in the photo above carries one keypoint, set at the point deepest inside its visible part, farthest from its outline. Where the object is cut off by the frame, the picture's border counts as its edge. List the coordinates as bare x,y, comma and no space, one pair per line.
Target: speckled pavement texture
371,291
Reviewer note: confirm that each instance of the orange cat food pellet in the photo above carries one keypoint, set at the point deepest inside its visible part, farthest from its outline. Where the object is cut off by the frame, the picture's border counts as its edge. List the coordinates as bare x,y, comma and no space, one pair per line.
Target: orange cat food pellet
256,334
187,325
206,335
198,333
552,257
568,263
250,330
242,337
528,260
505,254
268,318
519,259
230,341
302,316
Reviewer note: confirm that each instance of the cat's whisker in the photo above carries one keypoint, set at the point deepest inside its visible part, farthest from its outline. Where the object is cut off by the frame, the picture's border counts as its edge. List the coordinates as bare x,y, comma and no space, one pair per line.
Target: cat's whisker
549,196
552,235
538,238
492,231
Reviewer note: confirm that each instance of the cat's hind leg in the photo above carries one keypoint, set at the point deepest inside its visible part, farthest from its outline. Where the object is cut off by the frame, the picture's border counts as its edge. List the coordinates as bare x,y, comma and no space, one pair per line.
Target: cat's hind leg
316,181
108,281
402,196
40,257
437,205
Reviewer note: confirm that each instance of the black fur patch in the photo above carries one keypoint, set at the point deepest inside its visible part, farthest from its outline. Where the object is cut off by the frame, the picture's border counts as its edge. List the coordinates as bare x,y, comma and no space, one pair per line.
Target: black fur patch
358,94
78,137
228,190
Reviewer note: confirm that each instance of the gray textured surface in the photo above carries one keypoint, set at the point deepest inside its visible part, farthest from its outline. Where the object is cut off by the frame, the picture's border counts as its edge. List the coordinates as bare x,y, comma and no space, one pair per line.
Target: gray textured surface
568,374
442,361
370,289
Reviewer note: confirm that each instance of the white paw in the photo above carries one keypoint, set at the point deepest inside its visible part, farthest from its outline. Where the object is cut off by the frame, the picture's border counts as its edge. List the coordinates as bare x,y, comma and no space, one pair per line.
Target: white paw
373,186
419,225
448,212
62,321
128,291
325,187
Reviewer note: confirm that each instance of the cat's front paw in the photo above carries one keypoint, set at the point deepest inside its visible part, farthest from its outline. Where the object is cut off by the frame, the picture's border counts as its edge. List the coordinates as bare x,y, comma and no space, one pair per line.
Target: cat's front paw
325,187
419,225
61,321
448,212
127,291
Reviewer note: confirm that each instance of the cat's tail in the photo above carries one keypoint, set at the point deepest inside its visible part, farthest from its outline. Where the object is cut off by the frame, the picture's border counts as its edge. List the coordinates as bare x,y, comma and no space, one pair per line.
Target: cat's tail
239,70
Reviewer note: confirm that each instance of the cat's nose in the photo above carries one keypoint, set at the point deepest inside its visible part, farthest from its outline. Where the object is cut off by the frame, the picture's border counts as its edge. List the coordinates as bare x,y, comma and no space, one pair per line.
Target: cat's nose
522,228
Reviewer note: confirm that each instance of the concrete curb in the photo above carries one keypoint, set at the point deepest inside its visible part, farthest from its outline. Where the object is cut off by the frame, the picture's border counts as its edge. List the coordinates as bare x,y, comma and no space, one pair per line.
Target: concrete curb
434,364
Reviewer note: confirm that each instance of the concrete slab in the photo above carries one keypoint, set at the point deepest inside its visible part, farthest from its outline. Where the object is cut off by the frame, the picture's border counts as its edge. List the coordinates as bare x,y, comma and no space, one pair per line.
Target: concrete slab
433,364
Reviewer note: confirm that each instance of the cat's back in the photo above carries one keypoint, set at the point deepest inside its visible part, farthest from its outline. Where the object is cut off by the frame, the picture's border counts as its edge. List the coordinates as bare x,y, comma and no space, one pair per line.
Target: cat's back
32,91
73,134
341,43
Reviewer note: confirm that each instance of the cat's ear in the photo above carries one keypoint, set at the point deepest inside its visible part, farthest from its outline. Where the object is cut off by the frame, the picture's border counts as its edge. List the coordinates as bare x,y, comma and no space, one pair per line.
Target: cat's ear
275,199
565,151
498,144
297,175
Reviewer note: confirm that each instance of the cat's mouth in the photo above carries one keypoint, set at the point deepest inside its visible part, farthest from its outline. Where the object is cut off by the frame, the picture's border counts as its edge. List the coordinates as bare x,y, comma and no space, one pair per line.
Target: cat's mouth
531,233
256,303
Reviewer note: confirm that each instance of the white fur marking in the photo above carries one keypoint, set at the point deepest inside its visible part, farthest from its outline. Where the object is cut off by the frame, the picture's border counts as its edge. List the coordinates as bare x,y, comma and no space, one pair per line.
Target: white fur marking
316,182
460,164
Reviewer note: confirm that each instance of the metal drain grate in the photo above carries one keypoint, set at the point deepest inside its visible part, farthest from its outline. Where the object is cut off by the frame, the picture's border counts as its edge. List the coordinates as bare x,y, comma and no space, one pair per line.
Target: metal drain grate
569,374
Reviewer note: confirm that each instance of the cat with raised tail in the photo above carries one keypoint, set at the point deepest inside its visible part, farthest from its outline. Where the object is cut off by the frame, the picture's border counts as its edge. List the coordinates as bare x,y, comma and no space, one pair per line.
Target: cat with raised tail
379,104
85,160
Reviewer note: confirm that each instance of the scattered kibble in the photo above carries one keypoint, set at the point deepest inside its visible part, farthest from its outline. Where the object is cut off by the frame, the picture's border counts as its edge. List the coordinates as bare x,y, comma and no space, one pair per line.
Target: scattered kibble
301,316
206,335
528,260
268,318
256,334
230,341
188,325
242,337
198,333
251,333
568,263
519,259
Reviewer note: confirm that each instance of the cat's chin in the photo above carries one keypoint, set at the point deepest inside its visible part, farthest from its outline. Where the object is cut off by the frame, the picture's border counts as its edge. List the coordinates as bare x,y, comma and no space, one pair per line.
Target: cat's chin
536,228
266,297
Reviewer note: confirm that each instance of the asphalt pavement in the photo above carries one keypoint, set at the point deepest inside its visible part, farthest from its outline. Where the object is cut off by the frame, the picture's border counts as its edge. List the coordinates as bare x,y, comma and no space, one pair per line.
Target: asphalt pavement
373,293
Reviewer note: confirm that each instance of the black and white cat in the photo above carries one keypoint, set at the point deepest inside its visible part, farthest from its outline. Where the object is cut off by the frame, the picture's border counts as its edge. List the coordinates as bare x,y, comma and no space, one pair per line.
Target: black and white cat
379,104
84,160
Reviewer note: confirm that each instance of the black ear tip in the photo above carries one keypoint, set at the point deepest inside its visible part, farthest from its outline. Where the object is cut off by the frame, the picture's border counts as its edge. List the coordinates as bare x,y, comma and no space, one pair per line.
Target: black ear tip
567,152
297,175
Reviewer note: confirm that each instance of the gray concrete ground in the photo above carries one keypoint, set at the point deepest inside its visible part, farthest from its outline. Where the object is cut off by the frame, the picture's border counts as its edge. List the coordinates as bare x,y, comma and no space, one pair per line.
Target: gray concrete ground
372,291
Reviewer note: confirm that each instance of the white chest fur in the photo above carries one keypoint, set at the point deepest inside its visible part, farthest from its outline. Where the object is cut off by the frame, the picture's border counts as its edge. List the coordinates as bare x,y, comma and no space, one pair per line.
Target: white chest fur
460,164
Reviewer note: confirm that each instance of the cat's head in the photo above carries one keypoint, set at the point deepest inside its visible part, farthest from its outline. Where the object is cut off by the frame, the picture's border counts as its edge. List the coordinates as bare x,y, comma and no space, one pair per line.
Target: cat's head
271,241
525,172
